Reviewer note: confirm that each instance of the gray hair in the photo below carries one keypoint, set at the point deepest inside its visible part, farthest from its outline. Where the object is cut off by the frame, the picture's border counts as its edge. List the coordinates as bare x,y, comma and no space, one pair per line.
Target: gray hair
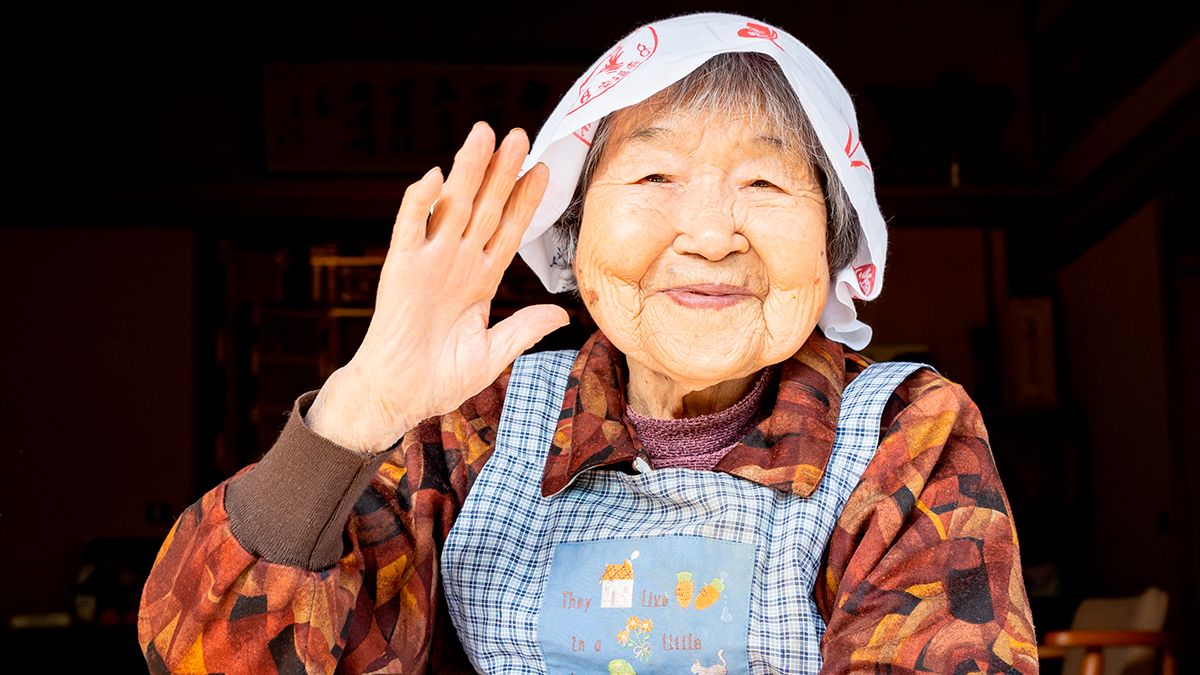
756,82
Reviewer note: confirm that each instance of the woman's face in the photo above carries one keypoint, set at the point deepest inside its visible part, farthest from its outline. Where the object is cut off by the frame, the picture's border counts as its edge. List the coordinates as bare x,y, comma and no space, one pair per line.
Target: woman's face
701,250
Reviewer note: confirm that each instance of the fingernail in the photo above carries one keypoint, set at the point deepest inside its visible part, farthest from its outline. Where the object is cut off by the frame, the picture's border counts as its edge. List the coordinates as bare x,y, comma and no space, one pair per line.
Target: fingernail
515,130
436,169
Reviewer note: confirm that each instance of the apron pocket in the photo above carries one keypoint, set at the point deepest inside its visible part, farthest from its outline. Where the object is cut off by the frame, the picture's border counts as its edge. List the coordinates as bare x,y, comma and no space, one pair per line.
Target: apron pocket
676,604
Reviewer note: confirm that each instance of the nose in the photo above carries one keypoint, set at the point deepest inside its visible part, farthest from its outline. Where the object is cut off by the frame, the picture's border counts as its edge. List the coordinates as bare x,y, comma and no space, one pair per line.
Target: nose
706,225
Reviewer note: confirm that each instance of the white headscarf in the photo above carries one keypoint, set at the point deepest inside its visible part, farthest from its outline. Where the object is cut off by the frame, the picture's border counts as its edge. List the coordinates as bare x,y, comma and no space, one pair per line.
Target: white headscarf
656,56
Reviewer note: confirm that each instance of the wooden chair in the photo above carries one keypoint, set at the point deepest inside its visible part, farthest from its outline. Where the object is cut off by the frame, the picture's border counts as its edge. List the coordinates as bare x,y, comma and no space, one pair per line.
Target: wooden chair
1114,636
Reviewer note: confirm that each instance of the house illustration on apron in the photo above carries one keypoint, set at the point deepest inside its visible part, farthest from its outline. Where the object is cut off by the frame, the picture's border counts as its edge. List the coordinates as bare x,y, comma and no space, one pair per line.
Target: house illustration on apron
616,585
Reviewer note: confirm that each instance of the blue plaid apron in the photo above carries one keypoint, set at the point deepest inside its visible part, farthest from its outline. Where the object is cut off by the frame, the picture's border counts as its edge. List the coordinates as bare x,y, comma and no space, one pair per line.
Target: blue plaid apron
666,571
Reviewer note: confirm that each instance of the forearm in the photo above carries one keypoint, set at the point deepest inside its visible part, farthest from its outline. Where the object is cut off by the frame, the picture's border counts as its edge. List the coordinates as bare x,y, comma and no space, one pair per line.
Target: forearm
255,570
292,507
223,574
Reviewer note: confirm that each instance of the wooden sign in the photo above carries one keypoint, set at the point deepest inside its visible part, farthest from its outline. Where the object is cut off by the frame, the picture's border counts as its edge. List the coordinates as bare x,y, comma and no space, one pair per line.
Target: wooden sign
404,118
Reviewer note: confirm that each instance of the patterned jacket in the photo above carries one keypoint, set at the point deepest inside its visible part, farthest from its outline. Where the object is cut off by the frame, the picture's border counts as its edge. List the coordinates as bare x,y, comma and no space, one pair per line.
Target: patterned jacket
317,559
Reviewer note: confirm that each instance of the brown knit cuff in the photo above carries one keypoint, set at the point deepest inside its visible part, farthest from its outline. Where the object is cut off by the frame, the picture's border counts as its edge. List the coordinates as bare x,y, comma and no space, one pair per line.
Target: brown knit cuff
293,505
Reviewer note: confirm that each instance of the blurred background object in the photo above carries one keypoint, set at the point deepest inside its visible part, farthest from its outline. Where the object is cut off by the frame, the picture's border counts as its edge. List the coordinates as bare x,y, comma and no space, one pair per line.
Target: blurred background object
1115,636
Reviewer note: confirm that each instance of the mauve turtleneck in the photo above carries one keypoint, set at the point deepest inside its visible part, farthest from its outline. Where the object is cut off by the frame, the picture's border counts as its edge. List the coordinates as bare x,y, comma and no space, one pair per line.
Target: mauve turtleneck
699,442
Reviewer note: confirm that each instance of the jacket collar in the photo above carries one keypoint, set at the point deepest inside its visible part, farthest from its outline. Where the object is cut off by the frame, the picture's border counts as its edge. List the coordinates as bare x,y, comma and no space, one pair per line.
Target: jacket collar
787,450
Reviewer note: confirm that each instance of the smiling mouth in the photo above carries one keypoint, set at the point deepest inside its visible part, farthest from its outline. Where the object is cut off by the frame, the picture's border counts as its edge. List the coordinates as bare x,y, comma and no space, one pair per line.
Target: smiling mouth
708,296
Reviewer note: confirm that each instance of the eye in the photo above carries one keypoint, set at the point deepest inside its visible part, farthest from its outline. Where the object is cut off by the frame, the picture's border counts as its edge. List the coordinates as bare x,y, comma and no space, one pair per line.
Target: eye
761,183
655,178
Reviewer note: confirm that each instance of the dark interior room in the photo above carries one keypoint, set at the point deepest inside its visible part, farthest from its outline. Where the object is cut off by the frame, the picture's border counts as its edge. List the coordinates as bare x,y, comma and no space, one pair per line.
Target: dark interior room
204,197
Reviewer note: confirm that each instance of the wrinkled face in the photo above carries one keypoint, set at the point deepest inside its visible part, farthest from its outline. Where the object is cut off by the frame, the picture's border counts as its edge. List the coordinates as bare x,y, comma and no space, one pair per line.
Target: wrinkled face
701,250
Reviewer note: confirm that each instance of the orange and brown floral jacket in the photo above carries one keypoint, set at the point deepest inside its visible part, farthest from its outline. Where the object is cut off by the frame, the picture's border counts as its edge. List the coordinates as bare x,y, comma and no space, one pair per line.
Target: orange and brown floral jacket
317,559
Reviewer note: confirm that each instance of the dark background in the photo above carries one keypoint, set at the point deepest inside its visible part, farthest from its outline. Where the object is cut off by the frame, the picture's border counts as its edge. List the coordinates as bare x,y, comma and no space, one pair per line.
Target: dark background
1036,161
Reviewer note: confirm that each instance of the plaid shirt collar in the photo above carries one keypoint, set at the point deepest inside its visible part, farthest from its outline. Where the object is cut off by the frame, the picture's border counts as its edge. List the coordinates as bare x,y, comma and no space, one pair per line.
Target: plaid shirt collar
787,450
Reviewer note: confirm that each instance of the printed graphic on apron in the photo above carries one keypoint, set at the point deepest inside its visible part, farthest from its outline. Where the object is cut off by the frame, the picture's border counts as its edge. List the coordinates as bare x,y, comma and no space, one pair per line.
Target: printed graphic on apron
648,605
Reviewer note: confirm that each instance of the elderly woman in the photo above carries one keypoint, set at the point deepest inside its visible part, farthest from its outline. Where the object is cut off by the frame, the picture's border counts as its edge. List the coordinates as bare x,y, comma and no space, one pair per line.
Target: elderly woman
714,483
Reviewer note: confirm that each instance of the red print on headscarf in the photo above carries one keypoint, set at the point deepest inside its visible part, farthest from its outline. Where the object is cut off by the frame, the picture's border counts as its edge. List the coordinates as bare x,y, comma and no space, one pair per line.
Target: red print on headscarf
757,30
850,151
630,53
866,277
582,132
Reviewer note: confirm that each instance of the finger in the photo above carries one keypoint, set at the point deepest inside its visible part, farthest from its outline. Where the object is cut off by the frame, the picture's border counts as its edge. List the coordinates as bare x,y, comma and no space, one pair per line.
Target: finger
522,330
413,216
518,211
453,210
498,184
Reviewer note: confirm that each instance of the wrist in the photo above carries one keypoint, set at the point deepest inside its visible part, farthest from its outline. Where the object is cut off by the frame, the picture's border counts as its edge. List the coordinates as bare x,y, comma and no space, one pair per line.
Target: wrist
345,414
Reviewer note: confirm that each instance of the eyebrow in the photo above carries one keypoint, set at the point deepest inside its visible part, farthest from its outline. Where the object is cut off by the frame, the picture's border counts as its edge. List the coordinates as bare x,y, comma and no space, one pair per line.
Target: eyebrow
772,140
652,135
657,135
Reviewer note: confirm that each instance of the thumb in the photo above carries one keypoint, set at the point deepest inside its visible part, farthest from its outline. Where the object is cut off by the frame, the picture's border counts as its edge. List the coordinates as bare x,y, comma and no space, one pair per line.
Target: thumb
522,330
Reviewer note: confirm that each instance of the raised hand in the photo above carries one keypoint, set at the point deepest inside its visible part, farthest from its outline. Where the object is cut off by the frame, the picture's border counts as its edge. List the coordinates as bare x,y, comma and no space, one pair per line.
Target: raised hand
428,347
